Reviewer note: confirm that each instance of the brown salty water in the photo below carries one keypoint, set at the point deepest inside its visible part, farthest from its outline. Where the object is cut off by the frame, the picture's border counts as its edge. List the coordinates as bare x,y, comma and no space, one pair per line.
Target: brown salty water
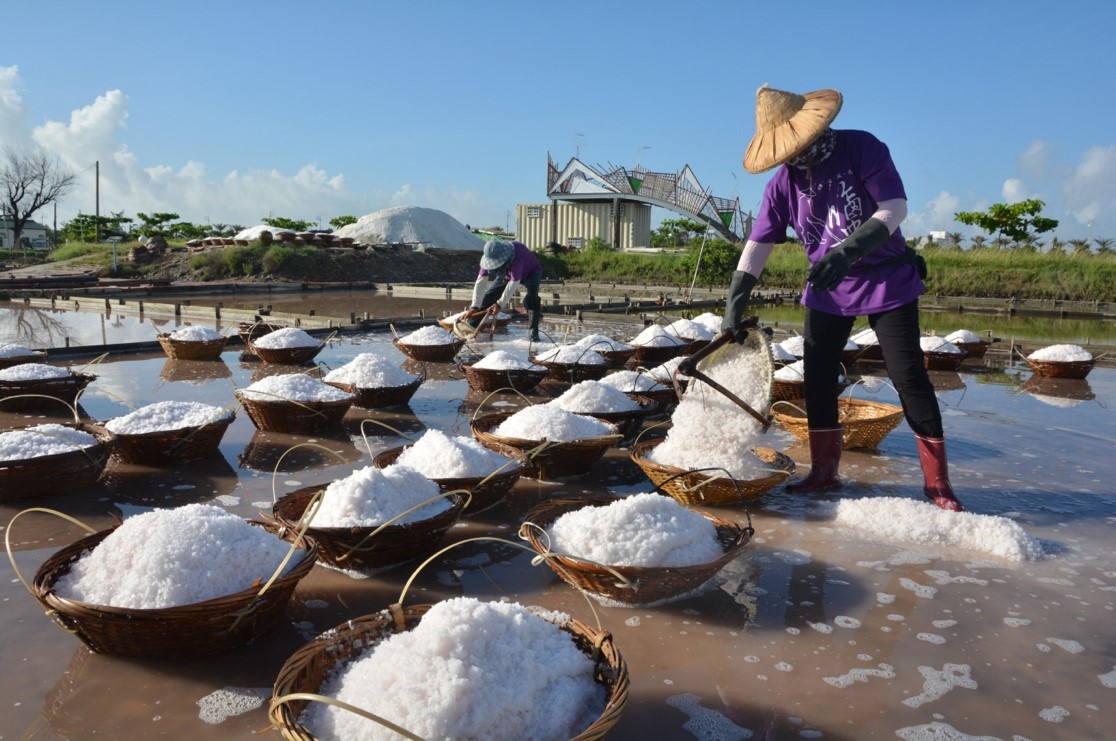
815,632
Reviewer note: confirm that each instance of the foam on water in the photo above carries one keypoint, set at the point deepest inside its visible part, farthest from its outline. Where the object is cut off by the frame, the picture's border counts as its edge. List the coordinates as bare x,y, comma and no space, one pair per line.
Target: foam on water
884,671
228,702
936,683
938,731
706,724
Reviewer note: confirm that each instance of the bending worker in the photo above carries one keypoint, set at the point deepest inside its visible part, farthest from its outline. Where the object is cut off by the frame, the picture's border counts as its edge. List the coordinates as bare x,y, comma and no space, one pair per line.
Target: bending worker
841,193
504,267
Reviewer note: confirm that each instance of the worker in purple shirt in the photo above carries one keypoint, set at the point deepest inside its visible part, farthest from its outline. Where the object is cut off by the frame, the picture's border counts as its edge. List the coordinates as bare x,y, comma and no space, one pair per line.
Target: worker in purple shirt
504,267
841,194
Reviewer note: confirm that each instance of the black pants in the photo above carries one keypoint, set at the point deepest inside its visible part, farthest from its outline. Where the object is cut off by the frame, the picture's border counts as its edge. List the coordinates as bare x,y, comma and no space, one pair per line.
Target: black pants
898,334
532,302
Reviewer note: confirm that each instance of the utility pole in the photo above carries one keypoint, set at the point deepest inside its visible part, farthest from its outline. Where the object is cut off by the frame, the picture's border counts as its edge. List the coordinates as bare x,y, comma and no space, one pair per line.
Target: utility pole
97,215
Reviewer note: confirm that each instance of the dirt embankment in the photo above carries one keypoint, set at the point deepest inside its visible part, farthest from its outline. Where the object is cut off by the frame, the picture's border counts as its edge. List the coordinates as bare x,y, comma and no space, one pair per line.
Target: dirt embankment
398,266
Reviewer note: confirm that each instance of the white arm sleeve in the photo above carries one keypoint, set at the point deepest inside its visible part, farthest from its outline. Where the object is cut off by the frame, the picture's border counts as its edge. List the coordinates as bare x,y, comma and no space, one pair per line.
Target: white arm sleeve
506,297
480,288
891,213
754,257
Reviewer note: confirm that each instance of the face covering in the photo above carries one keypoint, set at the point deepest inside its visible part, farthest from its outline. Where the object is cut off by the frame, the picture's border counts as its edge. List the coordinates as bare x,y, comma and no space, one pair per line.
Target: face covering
821,148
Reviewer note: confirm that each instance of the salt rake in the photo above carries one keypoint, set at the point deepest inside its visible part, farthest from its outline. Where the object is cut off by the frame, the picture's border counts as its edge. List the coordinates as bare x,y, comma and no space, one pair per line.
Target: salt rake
688,367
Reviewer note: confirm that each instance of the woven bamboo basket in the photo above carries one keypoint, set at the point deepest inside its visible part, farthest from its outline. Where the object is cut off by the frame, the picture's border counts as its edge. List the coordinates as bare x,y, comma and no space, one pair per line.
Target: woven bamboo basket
645,584
1077,369
943,361
65,388
310,666
200,629
783,390
486,494
664,397
617,358
570,458
165,447
443,353
573,372
282,415
487,380
380,397
870,352
866,423
251,331
975,350
649,355
58,473
711,489
342,546
286,355
35,357
192,350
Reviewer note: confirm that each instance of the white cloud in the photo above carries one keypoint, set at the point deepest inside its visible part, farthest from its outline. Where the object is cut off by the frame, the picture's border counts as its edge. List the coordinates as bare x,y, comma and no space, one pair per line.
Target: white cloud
936,215
1090,190
93,134
1015,190
1036,160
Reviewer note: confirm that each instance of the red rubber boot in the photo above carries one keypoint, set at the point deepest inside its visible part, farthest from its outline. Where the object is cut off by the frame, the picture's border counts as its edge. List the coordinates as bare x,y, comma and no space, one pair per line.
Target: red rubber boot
825,456
932,456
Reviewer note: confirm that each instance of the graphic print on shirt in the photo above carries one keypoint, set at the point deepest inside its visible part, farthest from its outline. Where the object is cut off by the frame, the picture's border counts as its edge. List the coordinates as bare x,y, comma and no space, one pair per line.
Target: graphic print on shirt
844,214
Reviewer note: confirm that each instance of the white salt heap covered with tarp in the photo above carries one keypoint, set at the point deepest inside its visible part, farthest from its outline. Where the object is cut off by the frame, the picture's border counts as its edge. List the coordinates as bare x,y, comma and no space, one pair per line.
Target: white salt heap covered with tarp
33,372
1062,353
571,355
429,335
293,387
42,440
907,522
440,456
656,335
469,670
504,360
594,397
600,342
13,350
285,338
173,557
640,530
550,422
164,416
253,232
370,371
415,225
371,496
938,344
632,382
710,431
964,336
196,333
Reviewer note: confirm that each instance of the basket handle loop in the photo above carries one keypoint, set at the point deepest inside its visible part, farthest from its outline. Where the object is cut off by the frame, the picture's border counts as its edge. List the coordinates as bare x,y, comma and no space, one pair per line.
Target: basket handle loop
493,393
795,407
622,583
8,537
346,706
275,472
364,437
71,407
315,505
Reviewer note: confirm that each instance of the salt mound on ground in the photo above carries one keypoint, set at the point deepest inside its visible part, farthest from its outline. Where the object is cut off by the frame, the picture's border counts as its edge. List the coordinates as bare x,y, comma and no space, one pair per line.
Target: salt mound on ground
909,522
429,335
440,456
640,530
795,345
656,335
172,557
427,226
710,321
571,355
600,342
40,440
253,232
167,415
469,669
691,330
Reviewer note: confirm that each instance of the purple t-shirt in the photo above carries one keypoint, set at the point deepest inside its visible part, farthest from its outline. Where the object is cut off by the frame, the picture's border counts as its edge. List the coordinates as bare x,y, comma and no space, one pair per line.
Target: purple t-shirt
826,203
523,263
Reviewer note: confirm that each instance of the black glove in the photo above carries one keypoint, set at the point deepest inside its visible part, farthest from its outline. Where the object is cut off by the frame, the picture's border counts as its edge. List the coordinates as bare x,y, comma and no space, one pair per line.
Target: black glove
831,269
740,291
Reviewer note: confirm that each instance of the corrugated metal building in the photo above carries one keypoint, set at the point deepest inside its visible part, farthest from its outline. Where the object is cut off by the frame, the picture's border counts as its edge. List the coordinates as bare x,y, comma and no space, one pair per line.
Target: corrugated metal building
574,224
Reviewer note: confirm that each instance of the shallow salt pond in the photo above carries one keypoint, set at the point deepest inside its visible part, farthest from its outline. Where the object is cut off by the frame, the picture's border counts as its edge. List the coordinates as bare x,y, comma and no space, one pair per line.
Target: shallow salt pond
814,632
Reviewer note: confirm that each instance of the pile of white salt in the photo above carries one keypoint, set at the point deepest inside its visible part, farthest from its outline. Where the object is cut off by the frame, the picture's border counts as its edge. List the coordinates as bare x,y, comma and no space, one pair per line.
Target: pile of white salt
550,422
688,329
439,456
938,344
429,335
13,350
293,387
963,336
710,321
504,360
571,355
285,338
865,338
632,382
196,333
371,496
594,397
640,530
1062,353
656,335
33,372
468,670
164,416
601,342
370,371
795,345
173,557
42,440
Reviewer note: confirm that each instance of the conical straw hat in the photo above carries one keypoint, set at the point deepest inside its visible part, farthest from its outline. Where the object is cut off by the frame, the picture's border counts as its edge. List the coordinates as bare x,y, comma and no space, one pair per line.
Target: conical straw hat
787,124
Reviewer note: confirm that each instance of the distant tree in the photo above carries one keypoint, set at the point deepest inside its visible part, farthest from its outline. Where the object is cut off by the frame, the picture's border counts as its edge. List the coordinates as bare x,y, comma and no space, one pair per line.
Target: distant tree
914,242
718,261
1079,245
597,244
188,230
1030,243
676,232
282,222
1104,245
339,221
1015,221
156,224
955,239
978,241
30,180
1057,245
85,227
1001,243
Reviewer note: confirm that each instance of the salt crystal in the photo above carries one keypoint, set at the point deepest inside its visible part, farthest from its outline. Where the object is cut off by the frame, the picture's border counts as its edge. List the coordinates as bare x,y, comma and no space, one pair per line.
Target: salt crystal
640,530
1062,353
32,372
371,496
656,335
293,387
632,382
439,456
594,397
937,344
167,415
710,321
370,371
549,422
504,360
688,329
196,333
42,440
172,557
285,338
601,342
571,355
429,335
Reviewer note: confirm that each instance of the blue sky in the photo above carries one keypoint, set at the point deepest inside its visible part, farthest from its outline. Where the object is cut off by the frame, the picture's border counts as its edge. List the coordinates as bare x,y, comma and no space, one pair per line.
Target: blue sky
226,112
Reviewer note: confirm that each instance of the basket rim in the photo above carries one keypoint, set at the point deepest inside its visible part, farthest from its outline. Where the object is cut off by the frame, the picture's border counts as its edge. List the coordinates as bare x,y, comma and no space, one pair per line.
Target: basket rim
638,453
284,402
155,434
104,438
800,415
457,504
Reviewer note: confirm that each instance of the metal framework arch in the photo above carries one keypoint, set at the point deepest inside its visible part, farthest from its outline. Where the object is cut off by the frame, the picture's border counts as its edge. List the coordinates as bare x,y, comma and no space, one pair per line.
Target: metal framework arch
680,192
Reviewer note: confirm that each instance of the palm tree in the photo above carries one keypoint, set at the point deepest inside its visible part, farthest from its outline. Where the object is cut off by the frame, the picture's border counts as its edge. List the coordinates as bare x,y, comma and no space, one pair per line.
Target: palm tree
955,239
1104,245
978,241
1080,246
1057,245
1000,242
1030,243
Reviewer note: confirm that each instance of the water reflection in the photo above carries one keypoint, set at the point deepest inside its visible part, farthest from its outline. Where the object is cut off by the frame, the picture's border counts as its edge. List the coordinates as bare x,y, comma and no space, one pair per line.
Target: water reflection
1058,392
194,371
267,452
203,480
